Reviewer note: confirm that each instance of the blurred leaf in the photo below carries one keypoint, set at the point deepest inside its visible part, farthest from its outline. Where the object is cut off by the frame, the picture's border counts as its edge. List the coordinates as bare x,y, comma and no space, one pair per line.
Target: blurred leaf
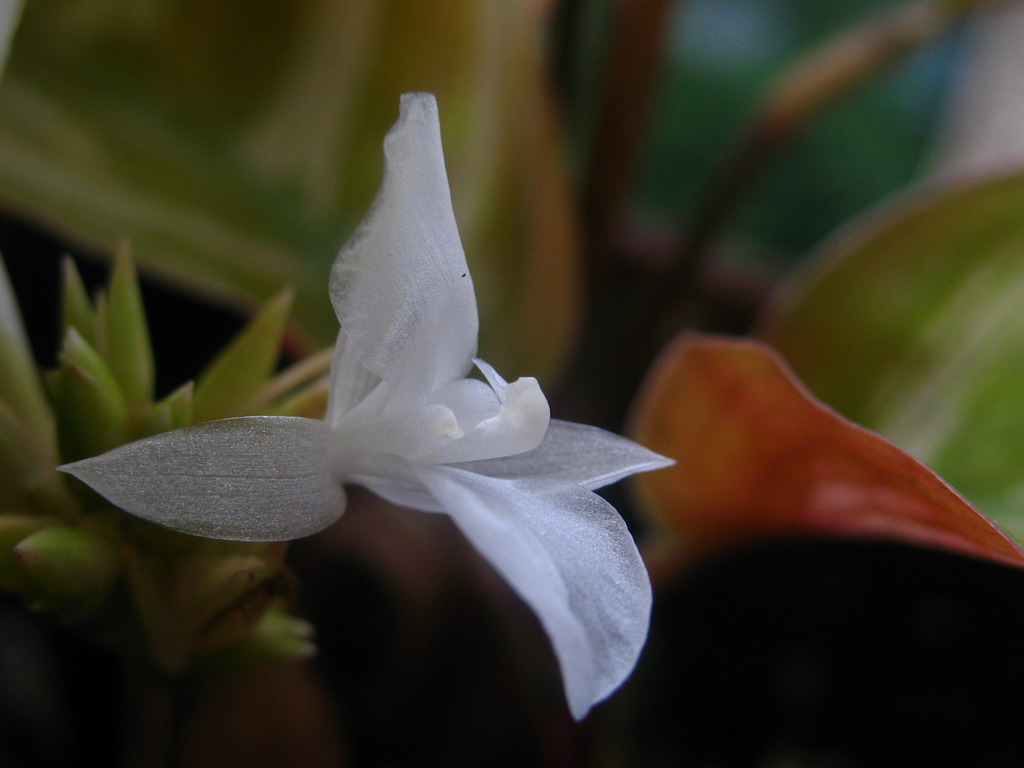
20,387
910,323
237,144
231,381
172,412
10,13
179,403
91,410
28,480
76,309
125,335
757,457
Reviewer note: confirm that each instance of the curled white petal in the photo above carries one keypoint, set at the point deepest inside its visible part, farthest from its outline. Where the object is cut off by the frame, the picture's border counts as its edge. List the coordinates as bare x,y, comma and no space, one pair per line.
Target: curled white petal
471,400
575,453
569,555
498,384
258,478
400,286
518,425
412,435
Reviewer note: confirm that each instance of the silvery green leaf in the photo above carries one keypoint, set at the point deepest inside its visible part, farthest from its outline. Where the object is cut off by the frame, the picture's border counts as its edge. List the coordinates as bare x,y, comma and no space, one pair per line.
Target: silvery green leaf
569,555
257,478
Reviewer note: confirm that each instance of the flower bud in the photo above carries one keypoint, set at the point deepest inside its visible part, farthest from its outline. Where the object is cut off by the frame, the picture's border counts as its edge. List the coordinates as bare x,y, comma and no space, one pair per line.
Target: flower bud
68,561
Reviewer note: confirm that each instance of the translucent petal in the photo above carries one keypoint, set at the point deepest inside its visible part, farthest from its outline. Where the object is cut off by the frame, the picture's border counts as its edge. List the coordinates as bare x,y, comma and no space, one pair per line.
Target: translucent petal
395,479
258,478
498,384
575,453
400,286
410,435
351,381
518,425
568,554
471,400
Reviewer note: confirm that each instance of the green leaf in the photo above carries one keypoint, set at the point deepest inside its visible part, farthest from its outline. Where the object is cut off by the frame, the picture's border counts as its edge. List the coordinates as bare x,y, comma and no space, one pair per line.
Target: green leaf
28,479
76,311
10,12
172,412
244,165
237,374
910,324
179,403
20,386
91,411
124,334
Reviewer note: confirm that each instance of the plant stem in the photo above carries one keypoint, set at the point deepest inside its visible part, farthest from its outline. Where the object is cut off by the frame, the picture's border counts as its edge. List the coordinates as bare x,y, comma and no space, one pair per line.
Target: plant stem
155,724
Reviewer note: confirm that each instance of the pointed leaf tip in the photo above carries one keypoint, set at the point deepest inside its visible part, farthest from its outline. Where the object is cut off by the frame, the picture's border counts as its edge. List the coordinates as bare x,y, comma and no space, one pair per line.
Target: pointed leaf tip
127,347
759,457
259,478
76,309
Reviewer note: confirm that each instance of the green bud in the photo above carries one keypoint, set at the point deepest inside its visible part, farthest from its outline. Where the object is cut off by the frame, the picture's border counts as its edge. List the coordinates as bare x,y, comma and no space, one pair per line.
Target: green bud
212,588
65,561
14,528
277,637
281,637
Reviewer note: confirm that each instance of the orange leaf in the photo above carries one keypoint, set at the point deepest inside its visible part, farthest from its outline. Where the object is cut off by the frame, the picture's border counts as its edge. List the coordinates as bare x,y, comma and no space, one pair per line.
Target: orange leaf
758,457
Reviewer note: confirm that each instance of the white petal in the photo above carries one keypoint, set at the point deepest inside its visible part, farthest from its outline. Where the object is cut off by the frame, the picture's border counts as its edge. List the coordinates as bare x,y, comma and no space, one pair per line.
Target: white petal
498,384
410,435
258,478
400,286
575,453
471,400
351,381
519,425
568,554
396,480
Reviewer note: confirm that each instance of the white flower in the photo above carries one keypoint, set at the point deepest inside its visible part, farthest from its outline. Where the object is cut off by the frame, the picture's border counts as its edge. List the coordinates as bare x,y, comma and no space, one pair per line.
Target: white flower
404,421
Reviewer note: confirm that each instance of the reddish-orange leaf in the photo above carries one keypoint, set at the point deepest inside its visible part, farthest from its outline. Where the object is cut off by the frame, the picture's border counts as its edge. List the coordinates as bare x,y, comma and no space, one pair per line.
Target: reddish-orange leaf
757,456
